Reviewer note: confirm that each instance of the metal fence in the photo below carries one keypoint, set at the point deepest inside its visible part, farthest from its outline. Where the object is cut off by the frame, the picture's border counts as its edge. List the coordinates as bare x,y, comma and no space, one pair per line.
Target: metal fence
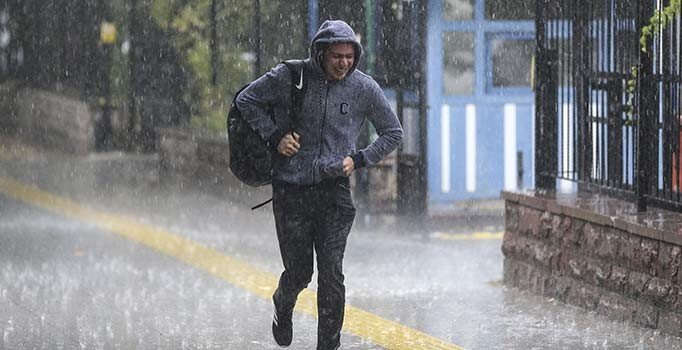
608,114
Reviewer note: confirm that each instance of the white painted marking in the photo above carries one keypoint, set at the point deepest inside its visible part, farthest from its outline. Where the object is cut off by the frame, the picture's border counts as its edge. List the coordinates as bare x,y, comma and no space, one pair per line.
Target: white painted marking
532,151
567,166
445,149
471,148
595,146
510,166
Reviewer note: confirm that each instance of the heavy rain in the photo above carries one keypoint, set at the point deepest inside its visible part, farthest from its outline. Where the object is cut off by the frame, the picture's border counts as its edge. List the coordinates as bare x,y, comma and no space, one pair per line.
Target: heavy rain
522,201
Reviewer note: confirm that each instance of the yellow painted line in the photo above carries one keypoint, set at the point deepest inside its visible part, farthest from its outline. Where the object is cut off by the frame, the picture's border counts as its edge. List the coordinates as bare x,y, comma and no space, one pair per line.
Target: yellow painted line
16,150
378,330
474,236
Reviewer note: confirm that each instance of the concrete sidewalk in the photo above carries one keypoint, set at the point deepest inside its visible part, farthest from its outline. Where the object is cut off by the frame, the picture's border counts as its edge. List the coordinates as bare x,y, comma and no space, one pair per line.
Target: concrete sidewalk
110,274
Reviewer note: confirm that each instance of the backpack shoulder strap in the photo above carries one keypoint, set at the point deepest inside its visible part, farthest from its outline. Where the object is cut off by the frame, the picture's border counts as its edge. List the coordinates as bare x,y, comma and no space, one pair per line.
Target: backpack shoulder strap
299,85
298,76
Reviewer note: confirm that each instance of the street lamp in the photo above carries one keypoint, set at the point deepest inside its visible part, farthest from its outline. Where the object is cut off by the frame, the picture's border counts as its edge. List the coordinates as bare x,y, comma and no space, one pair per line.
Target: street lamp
107,38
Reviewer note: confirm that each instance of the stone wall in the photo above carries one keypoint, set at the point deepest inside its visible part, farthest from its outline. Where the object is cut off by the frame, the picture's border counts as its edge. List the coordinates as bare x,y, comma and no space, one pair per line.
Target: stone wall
201,160
383,186
52,120
604,259
55,120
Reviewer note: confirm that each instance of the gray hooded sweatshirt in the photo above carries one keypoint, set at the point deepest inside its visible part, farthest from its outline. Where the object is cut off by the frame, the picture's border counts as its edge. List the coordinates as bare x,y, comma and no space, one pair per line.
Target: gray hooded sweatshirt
331,116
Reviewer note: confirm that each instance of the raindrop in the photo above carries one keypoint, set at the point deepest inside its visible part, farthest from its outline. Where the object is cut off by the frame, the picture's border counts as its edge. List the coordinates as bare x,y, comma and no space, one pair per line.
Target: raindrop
4,38
8,331
4,17
125,47
20,56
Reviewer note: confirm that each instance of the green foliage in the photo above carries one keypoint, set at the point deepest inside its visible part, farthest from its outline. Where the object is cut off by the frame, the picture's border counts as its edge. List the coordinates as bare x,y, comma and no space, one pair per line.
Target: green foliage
660,20
189,22
190,26
630,90
163,11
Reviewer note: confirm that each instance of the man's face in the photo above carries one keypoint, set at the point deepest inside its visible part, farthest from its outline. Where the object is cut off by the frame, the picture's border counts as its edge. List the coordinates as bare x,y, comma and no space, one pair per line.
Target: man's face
338,60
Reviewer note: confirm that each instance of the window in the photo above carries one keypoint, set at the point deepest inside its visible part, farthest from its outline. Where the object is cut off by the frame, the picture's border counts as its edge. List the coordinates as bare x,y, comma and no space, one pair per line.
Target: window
510,9
511,61
457,10
458,62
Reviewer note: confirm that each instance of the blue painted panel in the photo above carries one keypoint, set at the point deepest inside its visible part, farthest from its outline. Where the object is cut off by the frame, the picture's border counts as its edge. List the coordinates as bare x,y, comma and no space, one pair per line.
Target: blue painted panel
525,142
488,27
490,98
457,155
490,151
433,154
489,111
434,59
458,151
490,145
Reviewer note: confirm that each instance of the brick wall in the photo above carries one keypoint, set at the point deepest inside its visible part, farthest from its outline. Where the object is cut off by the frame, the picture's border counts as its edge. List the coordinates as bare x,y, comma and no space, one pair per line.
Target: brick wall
623,267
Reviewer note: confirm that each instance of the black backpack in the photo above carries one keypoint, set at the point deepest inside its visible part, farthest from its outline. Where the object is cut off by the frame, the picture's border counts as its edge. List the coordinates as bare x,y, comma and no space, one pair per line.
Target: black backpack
250,156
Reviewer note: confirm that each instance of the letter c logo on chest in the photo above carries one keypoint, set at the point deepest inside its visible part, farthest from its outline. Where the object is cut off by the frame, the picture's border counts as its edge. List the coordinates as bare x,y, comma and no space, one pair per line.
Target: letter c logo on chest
344,108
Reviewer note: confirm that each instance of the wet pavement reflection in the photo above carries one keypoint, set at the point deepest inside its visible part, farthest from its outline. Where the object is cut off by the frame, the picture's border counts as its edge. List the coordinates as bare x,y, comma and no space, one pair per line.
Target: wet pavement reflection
69,284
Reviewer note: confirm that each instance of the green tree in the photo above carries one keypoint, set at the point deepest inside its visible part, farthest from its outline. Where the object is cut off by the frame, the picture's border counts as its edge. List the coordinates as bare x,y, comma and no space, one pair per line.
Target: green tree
283,28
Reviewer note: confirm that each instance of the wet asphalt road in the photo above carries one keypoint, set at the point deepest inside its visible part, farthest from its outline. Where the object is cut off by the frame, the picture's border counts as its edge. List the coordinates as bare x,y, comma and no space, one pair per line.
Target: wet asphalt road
66,283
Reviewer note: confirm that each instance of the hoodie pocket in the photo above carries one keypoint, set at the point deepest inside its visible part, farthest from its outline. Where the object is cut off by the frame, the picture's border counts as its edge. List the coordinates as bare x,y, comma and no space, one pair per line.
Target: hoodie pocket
329,167
298,169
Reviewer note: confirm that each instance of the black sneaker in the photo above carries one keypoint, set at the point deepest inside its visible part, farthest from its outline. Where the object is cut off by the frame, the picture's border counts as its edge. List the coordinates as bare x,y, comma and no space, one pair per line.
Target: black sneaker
282,329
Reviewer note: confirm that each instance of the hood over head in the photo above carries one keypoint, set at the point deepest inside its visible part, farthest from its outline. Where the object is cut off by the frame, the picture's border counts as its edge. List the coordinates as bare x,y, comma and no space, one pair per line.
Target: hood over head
331,32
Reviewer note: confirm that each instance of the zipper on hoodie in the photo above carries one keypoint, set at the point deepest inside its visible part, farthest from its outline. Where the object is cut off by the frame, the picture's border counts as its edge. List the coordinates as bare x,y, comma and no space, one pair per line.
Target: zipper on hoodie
324,117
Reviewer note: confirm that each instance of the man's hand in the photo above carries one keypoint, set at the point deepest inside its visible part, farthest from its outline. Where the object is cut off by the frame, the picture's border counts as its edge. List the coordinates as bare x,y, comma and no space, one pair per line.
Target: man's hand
288,145
348,166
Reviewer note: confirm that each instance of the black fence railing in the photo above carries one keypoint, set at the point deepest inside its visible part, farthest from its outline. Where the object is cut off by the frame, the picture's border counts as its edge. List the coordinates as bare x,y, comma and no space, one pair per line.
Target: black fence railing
608,114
